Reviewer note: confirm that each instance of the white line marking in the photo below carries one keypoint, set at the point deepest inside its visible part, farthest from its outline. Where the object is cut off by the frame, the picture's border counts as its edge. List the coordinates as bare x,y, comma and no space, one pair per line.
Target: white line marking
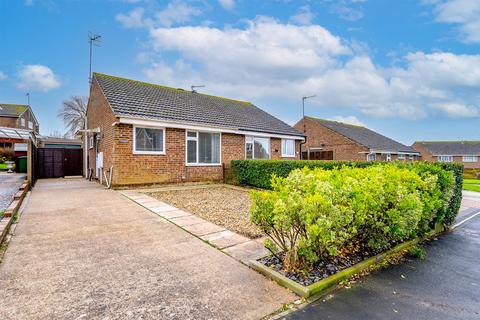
463,221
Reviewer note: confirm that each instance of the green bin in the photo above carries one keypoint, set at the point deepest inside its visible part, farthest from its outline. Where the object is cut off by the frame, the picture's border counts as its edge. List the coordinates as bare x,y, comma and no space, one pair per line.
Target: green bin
22,164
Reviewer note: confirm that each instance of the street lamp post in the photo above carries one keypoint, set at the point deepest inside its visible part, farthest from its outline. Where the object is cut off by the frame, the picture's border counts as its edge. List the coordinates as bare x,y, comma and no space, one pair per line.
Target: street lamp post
303,120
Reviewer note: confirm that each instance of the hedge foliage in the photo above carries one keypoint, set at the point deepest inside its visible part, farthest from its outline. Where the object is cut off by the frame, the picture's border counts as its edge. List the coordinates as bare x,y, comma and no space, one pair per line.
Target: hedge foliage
258,173
314,214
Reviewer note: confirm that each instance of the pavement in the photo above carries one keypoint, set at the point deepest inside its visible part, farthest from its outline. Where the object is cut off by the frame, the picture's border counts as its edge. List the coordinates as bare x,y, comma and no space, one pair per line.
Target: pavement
9,184
446,285
81,251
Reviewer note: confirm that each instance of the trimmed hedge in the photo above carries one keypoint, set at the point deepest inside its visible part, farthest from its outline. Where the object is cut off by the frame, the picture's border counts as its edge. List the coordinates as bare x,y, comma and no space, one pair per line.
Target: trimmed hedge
258,173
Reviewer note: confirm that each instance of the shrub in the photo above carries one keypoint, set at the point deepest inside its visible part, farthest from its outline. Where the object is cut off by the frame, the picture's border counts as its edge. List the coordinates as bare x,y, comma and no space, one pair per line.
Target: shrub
417,252
6,154
314,213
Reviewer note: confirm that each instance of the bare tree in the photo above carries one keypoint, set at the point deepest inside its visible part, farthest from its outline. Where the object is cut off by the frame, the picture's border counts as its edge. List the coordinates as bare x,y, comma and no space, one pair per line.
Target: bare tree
74,114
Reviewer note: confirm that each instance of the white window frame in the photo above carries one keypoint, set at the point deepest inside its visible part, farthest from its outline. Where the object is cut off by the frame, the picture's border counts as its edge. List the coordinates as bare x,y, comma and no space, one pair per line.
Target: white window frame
401,157
253,147
388,156
285,155
469,158
374,157
134,134
444,157
197,164
30,125
411,157
22,122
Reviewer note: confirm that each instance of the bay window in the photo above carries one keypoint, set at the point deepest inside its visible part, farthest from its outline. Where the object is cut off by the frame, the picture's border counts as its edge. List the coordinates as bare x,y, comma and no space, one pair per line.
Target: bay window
371,157
470,158
288,148
203,148
148,140
257,148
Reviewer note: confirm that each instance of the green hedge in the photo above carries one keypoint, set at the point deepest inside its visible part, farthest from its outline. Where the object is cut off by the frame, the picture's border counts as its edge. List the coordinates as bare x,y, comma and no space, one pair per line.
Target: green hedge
317,214
258,173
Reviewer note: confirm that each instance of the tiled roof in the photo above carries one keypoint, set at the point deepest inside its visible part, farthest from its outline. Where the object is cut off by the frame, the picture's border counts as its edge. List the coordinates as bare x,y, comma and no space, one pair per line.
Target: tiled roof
451,147
130,98
12,110
365,136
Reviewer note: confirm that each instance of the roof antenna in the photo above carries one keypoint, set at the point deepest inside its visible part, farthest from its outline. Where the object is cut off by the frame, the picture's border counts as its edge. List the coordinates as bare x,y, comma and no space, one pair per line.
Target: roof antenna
94,40
199,86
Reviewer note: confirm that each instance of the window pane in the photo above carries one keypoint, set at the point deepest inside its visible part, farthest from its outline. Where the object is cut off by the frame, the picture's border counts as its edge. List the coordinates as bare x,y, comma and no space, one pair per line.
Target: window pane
147,139
288,147
249,150
191,151
260,148
192,134
208,147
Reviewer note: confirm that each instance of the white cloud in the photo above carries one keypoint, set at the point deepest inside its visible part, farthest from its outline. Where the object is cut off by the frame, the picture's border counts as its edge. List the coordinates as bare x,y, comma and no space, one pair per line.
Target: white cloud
304,16
3,76
464,13
267,59
350,120
134,19
176,12
37,77
347,9
227,4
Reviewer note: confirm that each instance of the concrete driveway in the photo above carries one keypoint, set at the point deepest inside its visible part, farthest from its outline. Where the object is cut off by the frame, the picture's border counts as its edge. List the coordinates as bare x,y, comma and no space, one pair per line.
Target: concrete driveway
83,252
9,184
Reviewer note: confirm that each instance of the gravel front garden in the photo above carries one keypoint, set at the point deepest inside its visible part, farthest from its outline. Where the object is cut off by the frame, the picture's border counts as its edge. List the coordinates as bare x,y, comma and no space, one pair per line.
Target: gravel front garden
224,206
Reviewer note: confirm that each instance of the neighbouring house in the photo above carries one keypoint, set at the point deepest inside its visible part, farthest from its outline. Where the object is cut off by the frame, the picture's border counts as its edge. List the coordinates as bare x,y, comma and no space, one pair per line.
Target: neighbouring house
17,123
59,143
464,152
333,140
142,133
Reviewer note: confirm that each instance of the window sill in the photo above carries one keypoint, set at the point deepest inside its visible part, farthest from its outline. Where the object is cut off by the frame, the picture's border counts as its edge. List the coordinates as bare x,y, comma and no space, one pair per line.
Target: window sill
157,153
203,164
288,156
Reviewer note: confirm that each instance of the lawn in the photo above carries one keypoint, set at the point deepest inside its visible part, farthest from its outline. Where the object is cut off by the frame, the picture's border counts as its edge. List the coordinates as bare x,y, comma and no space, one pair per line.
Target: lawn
224,206
471,184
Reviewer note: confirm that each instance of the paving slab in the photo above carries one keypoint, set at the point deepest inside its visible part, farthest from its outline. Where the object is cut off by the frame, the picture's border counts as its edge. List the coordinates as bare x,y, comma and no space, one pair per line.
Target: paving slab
115,263
174,214
161,208
225,239
201,229
251,250
187,220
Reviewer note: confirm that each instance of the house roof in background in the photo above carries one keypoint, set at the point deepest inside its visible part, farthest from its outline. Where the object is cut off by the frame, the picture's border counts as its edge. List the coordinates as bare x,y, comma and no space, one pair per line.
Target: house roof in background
451,147
131,98
12,110
365,137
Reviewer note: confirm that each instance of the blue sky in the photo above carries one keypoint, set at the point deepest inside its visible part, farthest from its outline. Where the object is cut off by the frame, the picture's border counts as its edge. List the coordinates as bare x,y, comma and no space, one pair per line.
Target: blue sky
408,69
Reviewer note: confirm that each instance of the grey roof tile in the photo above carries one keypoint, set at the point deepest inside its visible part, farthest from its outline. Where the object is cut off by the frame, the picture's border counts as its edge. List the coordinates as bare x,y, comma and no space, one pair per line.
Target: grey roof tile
144,100
365,136
12,110
451,147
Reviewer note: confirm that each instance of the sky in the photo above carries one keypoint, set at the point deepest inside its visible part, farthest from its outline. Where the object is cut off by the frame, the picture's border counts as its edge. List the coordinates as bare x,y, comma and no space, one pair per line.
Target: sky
408,69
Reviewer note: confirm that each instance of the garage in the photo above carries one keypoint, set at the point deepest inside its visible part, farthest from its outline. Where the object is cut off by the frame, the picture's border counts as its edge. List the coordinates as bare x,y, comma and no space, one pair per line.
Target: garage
59,162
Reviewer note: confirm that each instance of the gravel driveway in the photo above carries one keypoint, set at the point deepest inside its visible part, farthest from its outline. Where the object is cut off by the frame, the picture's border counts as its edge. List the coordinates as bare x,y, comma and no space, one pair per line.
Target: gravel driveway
9,184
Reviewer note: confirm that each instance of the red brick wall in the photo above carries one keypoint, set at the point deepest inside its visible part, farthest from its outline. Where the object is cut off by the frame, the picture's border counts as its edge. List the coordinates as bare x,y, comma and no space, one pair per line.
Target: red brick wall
319,136
8,122
12,122
100,115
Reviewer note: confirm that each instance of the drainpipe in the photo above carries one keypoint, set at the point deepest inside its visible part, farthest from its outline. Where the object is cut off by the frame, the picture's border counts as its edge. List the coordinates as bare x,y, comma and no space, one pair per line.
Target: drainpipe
301,144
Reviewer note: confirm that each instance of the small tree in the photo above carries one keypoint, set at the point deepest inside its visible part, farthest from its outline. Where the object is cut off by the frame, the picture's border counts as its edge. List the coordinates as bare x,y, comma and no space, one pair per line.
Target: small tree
74,114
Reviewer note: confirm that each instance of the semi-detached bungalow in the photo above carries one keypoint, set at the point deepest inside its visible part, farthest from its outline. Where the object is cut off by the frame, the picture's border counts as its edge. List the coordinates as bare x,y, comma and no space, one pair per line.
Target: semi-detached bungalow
141,133
464,152
333,140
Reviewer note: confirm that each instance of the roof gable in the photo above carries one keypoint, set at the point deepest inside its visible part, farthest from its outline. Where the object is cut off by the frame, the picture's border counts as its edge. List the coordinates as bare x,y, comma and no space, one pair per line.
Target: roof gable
451,147
130,98
364,136
12,110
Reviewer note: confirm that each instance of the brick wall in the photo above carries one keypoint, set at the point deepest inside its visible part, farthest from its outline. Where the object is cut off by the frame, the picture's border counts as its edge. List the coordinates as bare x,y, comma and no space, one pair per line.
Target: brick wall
13,122
319,136
8,122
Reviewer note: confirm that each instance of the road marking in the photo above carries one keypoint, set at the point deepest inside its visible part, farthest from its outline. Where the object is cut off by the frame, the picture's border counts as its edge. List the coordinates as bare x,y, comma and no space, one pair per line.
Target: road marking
465,220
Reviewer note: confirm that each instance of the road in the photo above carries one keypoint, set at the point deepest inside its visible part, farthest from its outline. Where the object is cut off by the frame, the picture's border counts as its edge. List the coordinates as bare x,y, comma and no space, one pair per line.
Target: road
446,285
